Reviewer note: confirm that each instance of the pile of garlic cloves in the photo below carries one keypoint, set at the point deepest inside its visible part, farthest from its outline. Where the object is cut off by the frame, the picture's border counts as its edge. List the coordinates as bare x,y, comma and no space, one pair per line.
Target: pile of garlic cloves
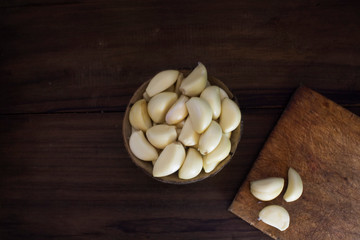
183,124
268,189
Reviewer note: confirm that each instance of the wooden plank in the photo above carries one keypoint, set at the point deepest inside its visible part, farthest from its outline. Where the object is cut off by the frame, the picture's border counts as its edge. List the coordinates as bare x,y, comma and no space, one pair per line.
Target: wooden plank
69,176
320,140
84,56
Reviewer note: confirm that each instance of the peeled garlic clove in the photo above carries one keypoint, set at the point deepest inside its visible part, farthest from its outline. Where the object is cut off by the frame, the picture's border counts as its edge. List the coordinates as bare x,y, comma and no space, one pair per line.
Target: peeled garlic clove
161,81
228,135
192,165
178,83
295,186
267,189
146,96
170,160
133,130
188,136
195,83
220,152
178,111
200,113
212,95
161,135
210,138
223,94
141,148
159,105
275,216
139,117
210,167
230,115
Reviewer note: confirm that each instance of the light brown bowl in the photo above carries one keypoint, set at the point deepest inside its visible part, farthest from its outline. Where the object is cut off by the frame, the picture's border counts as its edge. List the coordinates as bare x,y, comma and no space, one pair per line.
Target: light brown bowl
173,178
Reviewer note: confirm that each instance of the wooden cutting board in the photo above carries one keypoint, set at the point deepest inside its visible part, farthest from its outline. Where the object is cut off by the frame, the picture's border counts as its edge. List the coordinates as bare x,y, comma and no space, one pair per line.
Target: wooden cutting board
321,140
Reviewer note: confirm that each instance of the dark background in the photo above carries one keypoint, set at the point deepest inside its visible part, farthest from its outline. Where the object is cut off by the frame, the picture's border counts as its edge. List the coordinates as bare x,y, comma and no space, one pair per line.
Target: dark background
69,68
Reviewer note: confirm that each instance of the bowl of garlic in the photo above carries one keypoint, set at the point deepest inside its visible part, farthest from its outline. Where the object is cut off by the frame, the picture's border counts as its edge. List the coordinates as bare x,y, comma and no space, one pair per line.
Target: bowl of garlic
182,126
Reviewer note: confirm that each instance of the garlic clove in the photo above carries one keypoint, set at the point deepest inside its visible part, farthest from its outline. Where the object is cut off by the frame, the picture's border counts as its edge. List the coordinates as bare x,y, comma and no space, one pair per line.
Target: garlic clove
200,113
188,136
295,186
141,148
210,167
223,94
195,83
161,135
228,135
192,165
212,95
210,138
230,115
221,151
178,111
159,105
161,81
275,216
178,83
146,97
267,189
170,160
139,117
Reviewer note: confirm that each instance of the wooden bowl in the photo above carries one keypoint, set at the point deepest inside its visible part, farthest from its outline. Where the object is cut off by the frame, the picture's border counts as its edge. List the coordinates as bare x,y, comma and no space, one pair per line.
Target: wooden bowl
173,178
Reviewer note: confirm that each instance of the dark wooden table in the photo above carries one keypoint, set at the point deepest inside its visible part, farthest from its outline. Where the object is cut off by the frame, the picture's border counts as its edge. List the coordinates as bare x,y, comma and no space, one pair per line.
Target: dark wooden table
68,69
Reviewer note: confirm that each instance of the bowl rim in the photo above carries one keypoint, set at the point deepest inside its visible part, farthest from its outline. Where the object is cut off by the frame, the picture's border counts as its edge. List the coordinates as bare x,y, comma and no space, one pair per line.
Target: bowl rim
234,142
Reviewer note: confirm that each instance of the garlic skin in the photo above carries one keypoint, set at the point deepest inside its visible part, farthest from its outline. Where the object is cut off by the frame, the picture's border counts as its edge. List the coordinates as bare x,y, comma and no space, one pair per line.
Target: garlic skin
230,115
200,113
159,105
275,216
161,135
170,160
192,165
139,117
141,148
161,81
195,83
267,189
221,151
295,186
188,136
210,139
178,111
211,94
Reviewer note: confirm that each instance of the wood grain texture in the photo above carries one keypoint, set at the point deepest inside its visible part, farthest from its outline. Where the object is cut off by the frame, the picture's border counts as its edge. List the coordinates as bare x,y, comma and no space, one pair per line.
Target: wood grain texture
68,69
76,56
68,176
320,140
